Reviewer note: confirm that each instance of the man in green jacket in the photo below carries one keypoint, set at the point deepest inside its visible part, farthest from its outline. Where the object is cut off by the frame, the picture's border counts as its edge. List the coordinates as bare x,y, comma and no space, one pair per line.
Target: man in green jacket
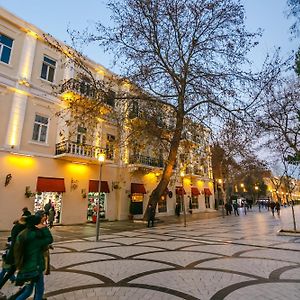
29,257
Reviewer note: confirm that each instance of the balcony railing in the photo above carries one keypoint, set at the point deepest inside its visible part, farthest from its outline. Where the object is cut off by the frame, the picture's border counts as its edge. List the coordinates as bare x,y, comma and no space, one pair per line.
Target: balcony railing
146,160
84,88
88,151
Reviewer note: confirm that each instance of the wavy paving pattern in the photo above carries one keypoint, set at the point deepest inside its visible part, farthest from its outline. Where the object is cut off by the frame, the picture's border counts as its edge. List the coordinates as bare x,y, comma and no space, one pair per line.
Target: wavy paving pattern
210,259
231,258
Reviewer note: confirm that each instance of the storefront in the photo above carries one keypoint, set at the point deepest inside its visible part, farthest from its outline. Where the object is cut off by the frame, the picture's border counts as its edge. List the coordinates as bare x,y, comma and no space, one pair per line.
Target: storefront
207,194
94,197
180,192
162,203
137,198
194,198
50,189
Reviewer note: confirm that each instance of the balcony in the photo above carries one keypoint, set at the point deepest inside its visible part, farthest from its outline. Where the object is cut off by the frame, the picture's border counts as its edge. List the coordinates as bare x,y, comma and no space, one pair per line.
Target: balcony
138,159
72,151
86,89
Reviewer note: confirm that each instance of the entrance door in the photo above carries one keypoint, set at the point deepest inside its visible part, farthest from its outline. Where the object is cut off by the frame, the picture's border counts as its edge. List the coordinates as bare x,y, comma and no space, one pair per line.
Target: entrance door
41,199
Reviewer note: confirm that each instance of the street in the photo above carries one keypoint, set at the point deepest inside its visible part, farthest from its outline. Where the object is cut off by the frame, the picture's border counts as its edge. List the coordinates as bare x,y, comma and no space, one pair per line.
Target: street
212,258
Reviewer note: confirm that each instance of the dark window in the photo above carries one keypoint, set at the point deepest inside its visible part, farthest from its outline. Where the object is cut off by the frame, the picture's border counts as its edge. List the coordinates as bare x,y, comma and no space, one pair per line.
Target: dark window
48,69
5,48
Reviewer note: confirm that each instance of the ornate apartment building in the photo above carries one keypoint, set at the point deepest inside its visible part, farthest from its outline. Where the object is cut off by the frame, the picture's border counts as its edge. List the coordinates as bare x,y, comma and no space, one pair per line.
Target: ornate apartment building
40,164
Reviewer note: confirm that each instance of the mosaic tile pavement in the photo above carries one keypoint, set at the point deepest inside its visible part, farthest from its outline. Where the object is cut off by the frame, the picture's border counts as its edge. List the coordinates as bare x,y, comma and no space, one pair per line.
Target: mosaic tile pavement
223,258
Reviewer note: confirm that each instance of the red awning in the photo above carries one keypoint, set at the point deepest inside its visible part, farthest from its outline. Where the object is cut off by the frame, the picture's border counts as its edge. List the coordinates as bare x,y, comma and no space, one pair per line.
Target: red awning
207,192
48,184
195,191
180,190
137,188
94,186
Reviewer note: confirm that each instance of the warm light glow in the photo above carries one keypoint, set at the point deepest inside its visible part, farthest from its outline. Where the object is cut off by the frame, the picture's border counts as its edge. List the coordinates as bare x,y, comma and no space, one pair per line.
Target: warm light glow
101,157
157,174
220,181
20,161
77,168
33,34
256,188
182,173
242,185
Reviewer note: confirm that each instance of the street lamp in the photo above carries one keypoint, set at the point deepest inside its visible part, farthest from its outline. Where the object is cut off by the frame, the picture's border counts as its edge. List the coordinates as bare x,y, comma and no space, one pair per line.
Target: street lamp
101,158
223,212
182,193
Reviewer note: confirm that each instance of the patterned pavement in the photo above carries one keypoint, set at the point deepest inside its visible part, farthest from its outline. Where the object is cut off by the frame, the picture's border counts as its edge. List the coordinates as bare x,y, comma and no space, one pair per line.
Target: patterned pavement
222,258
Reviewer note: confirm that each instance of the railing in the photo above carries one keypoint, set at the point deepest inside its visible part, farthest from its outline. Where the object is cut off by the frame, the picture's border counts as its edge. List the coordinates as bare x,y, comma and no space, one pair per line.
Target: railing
68,147
146,160
86,89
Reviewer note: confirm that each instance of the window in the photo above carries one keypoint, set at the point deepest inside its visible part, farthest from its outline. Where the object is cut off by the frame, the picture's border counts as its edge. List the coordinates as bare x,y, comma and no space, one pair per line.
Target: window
40,128
48,69
5,48
110,143
81,135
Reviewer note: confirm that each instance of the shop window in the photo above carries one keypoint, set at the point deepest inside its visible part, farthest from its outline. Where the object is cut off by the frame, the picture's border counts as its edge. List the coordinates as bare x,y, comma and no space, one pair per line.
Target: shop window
42,198
40,129
195,203
48,69
162,204
5,48
207,202
136,206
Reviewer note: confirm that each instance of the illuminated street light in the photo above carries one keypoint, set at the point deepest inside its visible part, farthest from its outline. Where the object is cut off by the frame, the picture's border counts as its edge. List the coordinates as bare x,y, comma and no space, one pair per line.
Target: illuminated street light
101,159
220,181
182,193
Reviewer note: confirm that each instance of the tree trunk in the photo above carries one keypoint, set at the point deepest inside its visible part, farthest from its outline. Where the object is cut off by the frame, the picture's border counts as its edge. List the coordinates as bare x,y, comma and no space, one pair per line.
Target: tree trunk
168,170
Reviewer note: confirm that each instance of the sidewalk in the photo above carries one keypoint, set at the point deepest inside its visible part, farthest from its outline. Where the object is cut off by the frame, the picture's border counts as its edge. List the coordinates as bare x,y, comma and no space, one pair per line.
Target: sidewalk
212,258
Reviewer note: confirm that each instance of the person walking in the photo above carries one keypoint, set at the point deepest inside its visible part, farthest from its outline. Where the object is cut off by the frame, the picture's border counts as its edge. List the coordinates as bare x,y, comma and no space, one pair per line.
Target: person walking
51,216
150,215
29,257
235,209
272,206
9,257
277,207
177,209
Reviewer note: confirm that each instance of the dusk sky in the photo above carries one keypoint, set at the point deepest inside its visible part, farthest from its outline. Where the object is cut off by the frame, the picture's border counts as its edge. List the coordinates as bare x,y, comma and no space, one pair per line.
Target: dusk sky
56,16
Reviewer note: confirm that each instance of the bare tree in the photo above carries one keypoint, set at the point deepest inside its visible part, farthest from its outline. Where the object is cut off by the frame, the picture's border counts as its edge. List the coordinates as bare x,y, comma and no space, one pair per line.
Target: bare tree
189,55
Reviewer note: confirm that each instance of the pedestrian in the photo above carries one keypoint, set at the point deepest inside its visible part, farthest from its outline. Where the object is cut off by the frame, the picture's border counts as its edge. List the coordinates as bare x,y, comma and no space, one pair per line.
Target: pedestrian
190,206
26,212
277,207
47,207
29,257
228,208
272,206
235,209
150,215
51,216
9,257
259,205
177,209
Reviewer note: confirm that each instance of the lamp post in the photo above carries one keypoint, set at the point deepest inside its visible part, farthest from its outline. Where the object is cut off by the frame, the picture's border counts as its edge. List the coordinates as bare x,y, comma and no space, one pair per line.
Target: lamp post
183,202
101,158
223,212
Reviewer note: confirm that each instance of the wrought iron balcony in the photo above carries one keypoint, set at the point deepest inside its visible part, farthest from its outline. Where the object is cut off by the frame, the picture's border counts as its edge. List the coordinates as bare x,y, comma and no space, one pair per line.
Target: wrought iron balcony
146,160
86,89
71,150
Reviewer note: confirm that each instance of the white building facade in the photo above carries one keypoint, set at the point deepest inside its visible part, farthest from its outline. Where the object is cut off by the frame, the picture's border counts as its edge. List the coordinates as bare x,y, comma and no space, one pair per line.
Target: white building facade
37,165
